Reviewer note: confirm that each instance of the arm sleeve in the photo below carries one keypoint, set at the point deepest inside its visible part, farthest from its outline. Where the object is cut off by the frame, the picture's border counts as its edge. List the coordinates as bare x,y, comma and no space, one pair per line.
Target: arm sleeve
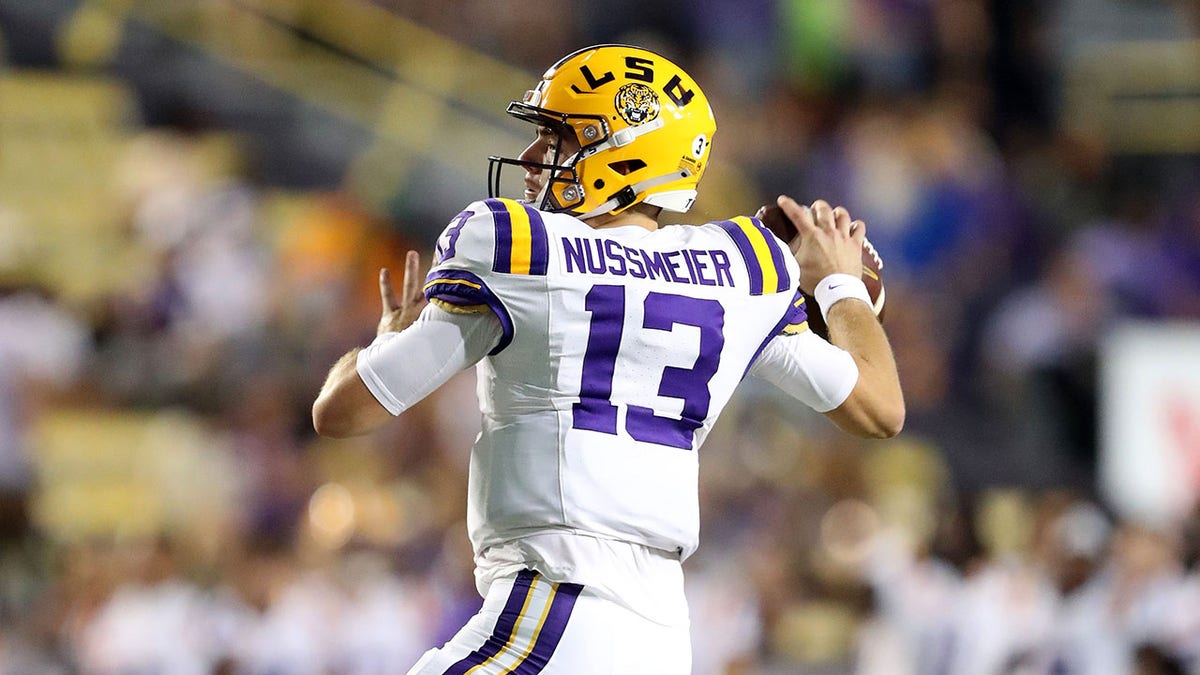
402,368
806,367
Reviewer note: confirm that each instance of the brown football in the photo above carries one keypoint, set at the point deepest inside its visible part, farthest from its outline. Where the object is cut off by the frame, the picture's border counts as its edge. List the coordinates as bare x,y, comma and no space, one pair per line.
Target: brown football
778,223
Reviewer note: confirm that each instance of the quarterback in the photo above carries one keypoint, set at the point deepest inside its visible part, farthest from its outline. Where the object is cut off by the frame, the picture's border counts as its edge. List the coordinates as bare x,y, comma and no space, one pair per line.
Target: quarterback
606,345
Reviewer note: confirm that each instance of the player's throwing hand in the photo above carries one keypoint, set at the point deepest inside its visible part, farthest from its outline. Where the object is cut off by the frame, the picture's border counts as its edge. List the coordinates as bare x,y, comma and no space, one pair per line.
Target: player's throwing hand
400,314
829,242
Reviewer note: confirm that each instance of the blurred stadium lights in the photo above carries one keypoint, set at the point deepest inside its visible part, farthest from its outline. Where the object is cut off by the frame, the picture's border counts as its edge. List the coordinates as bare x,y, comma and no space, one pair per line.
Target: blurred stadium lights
331,515
847,531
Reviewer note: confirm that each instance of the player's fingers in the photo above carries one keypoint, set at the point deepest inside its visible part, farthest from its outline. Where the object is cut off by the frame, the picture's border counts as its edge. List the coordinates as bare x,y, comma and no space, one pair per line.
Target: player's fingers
412,276
823,214
386,294
858,230
841,219
762,211
799,214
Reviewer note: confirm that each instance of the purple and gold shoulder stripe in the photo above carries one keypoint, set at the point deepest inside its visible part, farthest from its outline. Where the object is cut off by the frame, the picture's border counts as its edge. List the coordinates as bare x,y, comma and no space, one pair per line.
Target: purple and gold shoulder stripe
522,246
528,630
762,254
459,291
796,319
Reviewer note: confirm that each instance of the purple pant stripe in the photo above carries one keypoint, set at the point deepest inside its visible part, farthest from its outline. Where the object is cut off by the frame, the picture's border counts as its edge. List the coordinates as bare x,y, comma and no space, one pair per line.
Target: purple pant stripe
552,630
502,633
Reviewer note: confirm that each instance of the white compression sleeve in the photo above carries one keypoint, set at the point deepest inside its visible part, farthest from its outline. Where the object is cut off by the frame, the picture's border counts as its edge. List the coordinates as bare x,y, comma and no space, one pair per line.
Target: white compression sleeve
402,368
815,372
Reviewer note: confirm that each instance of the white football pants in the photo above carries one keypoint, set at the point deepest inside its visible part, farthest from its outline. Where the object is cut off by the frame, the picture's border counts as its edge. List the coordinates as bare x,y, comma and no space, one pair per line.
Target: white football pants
530,625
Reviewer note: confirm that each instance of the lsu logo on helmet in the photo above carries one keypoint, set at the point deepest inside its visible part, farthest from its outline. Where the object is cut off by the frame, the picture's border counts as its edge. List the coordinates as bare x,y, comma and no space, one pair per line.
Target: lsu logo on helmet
636,103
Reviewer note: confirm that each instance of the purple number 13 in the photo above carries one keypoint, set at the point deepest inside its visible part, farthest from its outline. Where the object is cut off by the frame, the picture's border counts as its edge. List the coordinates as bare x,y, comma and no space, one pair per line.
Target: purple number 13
596,412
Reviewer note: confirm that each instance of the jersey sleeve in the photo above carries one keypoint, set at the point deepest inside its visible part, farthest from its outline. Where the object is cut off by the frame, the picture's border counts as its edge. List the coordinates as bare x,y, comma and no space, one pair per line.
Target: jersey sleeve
795,318
402,368
489,238
806,367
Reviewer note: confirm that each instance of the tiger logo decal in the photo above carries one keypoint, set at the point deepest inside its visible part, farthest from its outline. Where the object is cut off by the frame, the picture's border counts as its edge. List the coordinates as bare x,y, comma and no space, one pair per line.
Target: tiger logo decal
637,104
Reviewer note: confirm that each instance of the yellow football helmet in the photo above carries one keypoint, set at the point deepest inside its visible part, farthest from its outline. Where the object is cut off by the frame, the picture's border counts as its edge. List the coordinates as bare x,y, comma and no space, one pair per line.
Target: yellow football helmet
643,126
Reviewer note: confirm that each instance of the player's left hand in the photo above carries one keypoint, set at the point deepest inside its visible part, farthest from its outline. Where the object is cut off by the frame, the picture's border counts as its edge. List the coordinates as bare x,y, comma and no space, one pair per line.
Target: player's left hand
829,241
399,314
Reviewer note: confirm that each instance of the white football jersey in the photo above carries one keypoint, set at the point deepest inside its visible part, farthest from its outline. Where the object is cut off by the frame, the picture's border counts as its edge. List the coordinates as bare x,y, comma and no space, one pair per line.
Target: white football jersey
620,347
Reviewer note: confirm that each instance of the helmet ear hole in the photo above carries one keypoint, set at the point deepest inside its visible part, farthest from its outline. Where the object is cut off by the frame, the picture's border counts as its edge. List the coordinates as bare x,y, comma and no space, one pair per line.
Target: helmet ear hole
628,166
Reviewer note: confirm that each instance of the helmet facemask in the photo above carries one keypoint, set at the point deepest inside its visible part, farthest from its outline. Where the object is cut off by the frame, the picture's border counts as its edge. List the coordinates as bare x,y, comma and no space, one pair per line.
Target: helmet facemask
562,190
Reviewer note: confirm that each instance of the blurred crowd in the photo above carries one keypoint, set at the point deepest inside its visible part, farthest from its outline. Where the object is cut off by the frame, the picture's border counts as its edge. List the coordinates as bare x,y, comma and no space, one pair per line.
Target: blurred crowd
166,508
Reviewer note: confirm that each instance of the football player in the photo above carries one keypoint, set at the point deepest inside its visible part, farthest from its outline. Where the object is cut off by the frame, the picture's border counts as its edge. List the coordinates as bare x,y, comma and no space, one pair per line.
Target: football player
606,344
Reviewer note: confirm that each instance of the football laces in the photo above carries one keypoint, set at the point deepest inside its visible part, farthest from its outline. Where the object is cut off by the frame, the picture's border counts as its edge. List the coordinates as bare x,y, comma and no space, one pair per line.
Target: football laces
874,254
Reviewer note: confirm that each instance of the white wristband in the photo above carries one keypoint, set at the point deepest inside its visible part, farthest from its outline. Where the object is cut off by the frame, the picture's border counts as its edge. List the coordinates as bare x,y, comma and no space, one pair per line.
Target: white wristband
837,287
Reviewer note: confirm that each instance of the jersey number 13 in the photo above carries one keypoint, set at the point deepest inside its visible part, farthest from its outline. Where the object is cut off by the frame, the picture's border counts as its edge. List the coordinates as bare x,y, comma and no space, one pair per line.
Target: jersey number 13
595,410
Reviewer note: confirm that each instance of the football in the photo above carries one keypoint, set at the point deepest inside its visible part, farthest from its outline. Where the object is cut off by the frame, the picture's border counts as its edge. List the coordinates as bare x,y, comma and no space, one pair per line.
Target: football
781,226
777,222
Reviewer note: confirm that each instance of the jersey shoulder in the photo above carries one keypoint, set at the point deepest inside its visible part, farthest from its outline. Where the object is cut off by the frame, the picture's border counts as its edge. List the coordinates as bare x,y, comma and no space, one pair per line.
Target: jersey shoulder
769,263
487,241
495,236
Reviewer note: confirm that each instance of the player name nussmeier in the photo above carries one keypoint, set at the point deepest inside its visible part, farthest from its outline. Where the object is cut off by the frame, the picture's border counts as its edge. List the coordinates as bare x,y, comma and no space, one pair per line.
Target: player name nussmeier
584,255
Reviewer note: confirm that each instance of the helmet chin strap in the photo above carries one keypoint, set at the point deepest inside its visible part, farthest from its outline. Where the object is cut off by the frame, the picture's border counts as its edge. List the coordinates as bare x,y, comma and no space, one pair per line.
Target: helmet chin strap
628,195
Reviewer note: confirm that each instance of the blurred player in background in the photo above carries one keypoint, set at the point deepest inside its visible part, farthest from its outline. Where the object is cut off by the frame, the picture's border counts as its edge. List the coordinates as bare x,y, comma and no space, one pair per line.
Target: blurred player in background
606,345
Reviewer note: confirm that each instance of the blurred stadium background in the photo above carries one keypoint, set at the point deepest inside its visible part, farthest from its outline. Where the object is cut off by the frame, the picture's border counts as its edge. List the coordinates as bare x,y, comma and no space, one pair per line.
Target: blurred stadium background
195,196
